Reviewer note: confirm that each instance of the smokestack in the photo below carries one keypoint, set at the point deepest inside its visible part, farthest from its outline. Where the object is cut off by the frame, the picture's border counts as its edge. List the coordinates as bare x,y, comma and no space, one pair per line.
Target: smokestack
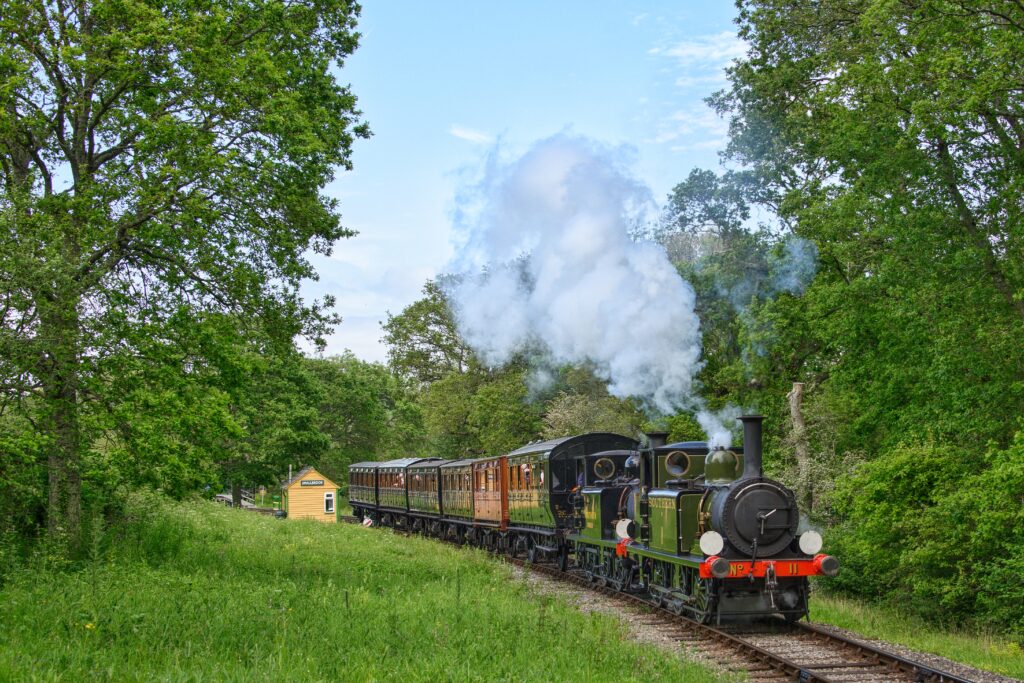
657,439
752,446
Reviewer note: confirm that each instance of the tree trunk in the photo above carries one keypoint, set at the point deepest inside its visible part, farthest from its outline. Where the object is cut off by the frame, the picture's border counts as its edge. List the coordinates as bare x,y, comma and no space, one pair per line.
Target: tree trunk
59,329
236,494
801,447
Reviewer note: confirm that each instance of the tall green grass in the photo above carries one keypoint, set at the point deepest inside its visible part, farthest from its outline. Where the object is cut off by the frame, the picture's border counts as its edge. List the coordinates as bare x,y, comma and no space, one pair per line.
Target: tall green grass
977,648
190,592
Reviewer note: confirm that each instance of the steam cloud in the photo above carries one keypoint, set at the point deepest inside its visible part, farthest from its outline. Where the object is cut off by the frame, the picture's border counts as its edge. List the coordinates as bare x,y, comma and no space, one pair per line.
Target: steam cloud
548,265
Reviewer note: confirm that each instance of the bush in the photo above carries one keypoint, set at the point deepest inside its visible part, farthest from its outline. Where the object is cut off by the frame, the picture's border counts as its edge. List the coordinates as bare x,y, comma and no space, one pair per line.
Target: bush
939,530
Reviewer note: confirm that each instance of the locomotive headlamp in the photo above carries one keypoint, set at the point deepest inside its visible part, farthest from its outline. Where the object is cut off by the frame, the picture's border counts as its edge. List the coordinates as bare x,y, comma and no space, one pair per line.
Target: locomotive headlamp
625,528
810,542
711,543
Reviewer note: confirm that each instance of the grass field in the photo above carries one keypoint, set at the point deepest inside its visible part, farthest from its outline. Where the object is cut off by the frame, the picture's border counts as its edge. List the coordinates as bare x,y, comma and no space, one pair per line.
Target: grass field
983,650
190,592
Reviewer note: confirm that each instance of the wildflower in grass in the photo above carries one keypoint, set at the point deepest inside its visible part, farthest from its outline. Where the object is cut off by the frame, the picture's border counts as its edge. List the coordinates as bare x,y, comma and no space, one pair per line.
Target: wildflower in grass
90,626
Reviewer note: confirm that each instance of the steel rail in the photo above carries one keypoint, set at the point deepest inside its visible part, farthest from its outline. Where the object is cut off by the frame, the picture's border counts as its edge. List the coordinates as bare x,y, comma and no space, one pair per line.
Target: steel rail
918,671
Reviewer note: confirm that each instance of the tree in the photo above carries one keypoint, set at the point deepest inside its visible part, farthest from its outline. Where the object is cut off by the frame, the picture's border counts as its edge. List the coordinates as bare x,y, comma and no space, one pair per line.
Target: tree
367,412
281,422
158,160
582,404
423,341
889,134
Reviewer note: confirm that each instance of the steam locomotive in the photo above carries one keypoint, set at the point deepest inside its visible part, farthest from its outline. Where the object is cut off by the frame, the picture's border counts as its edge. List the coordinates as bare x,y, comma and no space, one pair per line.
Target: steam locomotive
700,530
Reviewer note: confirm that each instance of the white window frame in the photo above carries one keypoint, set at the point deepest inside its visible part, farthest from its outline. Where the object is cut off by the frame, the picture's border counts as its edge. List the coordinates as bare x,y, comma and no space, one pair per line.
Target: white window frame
329,503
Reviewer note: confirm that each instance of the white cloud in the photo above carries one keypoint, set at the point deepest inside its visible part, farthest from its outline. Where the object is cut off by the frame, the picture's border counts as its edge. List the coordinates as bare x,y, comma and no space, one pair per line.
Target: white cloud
696,127
700,64
715,50
470,135
689,81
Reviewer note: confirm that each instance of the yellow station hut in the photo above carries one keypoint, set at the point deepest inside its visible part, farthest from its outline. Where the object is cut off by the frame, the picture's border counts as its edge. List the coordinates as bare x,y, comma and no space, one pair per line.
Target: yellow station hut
310,495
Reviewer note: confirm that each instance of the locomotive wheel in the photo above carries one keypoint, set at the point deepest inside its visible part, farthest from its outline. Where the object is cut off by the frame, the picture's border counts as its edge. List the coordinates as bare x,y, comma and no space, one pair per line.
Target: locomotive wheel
623,573
704,601
531,551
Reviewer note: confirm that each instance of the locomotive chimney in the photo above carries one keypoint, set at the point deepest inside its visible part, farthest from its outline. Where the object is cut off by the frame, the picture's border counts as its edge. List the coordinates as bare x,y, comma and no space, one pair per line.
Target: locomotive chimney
657,439
752,446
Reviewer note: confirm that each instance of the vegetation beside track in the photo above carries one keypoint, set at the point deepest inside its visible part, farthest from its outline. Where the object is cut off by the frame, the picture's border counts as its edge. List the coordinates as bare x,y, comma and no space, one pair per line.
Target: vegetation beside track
194,591
978,648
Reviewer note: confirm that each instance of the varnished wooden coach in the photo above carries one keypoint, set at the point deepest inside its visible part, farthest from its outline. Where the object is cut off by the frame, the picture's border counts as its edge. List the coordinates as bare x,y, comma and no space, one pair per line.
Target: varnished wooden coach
518,502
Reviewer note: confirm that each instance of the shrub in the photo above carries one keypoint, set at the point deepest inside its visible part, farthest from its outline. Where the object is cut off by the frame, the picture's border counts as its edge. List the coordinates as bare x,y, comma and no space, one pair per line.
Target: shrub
939,530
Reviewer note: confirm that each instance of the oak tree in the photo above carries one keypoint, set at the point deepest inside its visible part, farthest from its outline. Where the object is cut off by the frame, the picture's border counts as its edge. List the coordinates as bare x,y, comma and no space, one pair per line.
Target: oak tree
158,160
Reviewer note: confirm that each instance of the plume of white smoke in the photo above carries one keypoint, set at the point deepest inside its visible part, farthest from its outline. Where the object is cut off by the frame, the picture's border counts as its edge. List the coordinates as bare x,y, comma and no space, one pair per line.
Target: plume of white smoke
796,267
562,277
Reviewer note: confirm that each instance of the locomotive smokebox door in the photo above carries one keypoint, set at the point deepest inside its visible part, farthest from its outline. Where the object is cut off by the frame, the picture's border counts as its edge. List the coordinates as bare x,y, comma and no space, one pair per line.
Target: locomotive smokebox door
756,511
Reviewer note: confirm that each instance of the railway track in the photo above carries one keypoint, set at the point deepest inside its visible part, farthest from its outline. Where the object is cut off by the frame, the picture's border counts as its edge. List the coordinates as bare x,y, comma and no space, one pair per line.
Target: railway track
801,652
772,652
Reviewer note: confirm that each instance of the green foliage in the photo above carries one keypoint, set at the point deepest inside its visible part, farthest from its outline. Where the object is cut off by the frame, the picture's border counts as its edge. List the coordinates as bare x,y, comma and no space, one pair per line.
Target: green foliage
502,415
478,413
940,527
423,342
22,491
366,411
467,410
901,176
684,427
884,134
309,602
581,403
160,164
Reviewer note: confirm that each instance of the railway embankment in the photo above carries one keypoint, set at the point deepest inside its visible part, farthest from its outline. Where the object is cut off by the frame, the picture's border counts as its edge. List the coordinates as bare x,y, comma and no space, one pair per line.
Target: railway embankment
193,591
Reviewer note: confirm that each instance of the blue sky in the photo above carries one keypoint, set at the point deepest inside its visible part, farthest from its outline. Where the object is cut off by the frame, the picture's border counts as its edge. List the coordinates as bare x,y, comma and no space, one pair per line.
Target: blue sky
442,84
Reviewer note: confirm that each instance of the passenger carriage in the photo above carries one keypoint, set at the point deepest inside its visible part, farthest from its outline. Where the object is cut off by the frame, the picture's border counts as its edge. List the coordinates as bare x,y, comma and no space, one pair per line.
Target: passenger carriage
393,491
